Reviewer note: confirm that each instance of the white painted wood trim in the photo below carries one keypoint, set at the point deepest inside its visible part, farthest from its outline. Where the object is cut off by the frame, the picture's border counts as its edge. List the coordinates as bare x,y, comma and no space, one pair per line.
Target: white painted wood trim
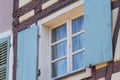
10,68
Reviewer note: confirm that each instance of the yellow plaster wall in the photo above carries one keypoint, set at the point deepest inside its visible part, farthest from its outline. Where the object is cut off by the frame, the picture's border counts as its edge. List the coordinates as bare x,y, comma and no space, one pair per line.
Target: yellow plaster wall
48,4
26,16
23,2
101,65
76,12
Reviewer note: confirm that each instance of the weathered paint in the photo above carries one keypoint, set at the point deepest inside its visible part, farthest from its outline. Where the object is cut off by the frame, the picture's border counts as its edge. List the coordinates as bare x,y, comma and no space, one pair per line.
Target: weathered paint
98,33
117,49
27,54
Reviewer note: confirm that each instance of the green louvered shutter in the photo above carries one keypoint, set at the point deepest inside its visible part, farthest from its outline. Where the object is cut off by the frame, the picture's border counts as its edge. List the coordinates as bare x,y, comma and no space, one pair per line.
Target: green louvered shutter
98,33
4,52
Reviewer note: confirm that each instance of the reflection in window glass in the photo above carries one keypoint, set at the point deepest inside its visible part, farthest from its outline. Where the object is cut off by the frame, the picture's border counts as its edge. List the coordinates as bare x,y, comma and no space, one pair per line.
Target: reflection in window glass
59,68
77,43
59,33
59,50
77,25
78,61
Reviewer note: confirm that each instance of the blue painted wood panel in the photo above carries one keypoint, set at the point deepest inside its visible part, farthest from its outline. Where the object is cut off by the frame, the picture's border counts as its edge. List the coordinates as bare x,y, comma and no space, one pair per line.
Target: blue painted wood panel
98,33
27,50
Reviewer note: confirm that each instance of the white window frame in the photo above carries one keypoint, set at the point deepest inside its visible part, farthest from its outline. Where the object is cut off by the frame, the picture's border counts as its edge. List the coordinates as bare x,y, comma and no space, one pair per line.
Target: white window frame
10,62
69,46
44,46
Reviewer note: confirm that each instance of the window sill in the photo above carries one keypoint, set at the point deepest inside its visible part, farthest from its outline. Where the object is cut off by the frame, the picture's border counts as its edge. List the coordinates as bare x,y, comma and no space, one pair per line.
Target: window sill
85,72
48,4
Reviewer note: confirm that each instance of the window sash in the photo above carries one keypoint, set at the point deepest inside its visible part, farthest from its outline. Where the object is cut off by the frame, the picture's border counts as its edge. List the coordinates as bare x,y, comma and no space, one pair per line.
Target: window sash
70,54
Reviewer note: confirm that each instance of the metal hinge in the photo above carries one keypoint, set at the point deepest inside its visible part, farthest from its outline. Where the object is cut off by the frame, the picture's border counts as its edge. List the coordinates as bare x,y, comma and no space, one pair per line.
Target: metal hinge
39,72
10,45
39,36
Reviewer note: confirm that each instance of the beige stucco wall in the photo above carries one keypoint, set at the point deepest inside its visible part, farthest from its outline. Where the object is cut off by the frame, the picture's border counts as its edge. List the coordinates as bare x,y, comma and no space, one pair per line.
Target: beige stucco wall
117,50
6,8
116,76
23,2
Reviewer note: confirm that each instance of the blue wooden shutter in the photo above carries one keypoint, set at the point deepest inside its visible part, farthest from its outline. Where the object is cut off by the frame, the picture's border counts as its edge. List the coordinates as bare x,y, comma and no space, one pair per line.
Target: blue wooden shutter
98,36
4,57
27,50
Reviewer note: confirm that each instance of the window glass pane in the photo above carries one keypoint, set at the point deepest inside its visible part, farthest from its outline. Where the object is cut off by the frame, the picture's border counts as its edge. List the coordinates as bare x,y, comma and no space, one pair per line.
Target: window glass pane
78,61
77,43
59,68
59,33
59,50
77,25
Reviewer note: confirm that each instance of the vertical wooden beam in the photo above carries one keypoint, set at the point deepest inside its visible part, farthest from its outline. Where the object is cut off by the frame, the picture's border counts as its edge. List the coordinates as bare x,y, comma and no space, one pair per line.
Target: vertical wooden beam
15,52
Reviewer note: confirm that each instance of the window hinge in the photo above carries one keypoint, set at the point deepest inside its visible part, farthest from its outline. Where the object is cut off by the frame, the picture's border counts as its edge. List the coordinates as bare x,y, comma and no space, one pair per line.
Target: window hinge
10,45
39,72
39,36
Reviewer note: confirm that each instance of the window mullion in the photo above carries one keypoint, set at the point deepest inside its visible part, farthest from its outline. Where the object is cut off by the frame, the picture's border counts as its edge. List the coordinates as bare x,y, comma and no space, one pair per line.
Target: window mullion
69,46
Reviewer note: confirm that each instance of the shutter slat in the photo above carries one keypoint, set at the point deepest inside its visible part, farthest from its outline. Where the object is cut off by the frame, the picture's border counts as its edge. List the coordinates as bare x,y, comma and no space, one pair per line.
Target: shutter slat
4,43
3,72
3,54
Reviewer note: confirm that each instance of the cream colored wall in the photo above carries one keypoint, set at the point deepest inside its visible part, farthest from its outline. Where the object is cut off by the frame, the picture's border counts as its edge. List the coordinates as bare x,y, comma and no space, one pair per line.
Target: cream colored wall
101,79
116,76
23,2
48,3
117,50
26,16
6,9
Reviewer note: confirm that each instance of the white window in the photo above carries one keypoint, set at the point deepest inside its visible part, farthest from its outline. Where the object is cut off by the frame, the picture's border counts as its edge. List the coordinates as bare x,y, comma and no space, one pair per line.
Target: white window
67,47
59,57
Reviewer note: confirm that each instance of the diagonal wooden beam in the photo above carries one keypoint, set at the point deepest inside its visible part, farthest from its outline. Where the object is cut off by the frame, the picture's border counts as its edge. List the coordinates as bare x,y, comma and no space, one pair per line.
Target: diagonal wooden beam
116,32
116,4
